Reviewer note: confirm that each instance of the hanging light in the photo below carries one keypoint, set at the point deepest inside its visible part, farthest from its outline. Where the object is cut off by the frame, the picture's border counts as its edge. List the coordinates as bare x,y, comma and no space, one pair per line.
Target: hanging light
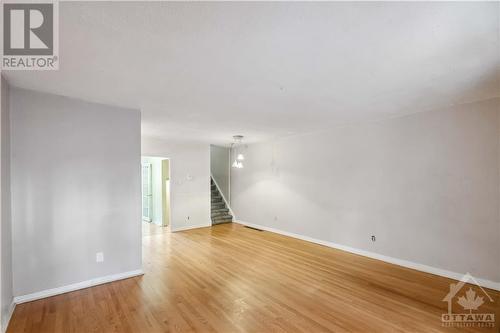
239,157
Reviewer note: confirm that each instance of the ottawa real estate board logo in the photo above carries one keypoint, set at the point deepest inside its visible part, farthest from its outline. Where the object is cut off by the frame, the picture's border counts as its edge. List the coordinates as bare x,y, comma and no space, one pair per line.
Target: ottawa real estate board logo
467,305
30,35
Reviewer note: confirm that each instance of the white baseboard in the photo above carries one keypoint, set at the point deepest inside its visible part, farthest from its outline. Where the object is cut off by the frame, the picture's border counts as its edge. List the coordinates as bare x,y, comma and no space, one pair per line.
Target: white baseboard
6,322
76,286
400,262
189,227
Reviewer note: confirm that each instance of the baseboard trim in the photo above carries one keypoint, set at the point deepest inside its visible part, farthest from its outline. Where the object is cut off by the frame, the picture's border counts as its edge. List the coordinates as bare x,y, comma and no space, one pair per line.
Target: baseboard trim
192,227
5,324
400,262
76,286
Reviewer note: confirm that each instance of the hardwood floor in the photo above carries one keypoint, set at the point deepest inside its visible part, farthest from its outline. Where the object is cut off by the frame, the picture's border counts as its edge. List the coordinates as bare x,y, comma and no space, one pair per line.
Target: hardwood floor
229,278
150,229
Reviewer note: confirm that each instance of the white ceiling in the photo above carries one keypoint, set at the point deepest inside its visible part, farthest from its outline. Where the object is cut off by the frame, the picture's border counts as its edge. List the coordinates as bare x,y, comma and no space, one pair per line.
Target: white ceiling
205,71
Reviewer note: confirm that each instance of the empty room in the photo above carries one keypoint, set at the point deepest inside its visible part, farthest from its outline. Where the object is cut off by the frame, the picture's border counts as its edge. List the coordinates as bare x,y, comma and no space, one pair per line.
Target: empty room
250,167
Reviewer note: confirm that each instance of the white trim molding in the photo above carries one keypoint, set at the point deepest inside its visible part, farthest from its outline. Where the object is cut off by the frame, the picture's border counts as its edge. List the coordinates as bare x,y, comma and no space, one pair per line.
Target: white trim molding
76,286
400,262
5,323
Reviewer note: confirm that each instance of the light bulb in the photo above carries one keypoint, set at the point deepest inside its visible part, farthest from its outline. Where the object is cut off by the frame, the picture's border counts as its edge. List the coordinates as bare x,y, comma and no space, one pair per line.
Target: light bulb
240,157
235,164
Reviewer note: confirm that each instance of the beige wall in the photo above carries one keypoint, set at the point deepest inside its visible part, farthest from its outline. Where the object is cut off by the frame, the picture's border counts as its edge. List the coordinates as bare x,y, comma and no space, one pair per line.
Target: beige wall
427,185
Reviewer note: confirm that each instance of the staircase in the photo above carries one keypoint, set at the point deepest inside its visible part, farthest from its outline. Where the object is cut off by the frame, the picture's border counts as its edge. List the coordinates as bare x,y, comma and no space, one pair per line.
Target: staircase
219,212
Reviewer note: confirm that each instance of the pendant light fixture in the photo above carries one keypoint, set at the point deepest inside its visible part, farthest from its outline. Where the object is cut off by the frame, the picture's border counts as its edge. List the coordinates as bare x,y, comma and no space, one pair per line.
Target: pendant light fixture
236,147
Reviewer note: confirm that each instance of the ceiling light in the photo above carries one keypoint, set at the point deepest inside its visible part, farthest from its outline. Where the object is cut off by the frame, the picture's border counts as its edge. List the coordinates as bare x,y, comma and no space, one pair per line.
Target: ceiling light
239,155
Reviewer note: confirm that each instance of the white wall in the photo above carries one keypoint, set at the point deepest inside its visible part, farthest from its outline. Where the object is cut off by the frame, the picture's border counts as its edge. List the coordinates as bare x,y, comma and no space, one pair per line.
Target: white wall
75,190
427,185
219,167
189,181
6,298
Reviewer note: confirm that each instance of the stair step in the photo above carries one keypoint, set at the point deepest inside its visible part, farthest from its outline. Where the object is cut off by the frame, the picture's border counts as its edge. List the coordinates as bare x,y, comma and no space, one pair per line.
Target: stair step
220,216
221,213
221,222
218,204
220,210
221,206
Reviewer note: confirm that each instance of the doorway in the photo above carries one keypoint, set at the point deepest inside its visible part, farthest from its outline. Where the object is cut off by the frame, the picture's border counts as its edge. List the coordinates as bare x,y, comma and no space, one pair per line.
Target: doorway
155,178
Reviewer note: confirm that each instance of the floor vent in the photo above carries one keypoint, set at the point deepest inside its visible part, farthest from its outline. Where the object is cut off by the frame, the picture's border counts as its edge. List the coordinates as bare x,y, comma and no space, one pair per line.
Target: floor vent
253,228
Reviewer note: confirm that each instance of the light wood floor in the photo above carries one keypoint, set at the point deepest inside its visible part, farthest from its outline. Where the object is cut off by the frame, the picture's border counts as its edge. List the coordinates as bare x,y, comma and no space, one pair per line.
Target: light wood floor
233,279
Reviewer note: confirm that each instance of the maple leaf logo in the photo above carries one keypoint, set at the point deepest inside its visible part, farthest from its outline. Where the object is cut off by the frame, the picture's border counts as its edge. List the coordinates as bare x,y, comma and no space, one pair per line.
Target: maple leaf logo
471,301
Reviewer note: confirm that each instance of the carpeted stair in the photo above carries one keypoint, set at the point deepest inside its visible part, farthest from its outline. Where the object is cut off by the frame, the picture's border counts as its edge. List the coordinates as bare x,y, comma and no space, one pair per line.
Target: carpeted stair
220,212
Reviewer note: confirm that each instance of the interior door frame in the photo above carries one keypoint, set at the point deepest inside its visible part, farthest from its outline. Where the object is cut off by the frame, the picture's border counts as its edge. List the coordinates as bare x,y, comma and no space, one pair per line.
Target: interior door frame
147,197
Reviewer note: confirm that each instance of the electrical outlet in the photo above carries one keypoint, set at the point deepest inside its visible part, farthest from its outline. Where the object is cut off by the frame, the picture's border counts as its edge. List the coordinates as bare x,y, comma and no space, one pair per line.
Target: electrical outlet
374,238
188,218
99,257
